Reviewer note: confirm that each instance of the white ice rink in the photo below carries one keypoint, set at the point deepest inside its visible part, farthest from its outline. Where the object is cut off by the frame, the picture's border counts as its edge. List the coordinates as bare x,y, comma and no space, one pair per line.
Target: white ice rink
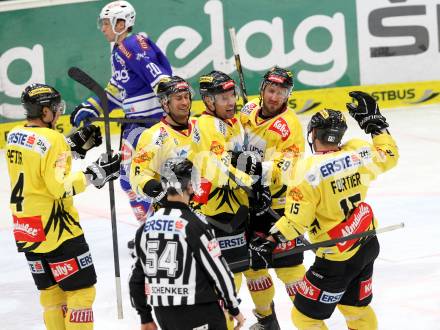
407,273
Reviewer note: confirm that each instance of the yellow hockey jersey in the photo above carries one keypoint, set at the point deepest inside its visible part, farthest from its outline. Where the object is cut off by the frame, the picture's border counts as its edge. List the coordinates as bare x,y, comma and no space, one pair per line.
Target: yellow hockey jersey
42,186
155,146
279,141
327,187
212,141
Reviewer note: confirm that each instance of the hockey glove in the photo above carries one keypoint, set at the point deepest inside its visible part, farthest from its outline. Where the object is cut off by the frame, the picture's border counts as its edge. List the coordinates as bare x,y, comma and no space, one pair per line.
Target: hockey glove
84,139
154,189
81,113
263,200
106,168
261,252
366,113
248,162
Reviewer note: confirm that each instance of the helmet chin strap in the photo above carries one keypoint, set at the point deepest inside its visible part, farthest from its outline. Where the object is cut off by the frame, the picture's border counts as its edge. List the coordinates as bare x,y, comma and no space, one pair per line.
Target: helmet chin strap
117,34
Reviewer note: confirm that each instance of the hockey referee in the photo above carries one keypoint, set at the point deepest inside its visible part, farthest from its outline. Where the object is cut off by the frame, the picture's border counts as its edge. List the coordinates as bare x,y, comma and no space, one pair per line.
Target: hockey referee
179,269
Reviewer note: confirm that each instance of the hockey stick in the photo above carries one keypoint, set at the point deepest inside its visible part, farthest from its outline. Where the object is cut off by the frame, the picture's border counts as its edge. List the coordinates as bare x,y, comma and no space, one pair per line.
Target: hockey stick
332,242
238,65
124,120
231,227
85,80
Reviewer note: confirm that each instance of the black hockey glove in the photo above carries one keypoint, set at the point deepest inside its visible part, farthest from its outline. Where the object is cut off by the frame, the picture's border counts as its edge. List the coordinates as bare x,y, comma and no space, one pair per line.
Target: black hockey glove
261,251
262,201
366,113
248,162
154,189
84,139
103,170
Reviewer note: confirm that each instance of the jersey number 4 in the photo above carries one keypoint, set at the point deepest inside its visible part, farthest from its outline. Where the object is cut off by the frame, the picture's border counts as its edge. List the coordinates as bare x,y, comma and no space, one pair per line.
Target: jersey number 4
167,260
17,193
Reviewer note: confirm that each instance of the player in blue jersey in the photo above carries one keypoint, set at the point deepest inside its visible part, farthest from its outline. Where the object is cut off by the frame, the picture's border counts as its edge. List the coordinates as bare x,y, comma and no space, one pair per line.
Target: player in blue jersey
137,66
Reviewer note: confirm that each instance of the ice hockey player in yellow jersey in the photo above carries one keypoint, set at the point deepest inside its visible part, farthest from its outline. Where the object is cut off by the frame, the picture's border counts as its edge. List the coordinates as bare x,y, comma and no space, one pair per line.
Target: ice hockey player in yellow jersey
46,223
170,138
327,200
218,136
274,133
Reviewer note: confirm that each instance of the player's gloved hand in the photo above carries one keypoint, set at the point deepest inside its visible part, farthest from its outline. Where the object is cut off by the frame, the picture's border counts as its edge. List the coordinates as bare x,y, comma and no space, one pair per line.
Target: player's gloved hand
81,113
104,169
263,200
84,139
154,189
261,252
366,112
248,162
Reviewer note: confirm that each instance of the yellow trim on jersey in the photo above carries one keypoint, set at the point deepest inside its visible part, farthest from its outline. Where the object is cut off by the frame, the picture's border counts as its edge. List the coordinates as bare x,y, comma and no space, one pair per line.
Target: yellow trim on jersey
212,141
280,143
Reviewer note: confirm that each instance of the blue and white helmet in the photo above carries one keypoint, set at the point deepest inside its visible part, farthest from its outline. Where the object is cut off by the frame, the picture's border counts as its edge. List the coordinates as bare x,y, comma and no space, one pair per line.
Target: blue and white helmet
118,10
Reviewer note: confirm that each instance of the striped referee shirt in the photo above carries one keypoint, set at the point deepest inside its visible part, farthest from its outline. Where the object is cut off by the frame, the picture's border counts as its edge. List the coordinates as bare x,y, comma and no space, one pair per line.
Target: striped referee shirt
179,262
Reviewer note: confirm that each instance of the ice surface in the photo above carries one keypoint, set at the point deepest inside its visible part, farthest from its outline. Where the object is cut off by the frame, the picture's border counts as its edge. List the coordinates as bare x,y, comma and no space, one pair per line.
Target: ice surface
407,272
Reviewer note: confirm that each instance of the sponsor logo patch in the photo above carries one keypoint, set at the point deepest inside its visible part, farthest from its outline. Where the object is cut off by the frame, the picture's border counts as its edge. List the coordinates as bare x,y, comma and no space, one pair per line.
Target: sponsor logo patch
29,229
202,194
307,289
247,109
334,166
36,267
213,248
142,42
366,289
81,315
143,156
163,225
125,51
29,141
358,222
280,126
85,260
64,269
153,289
217,148
330,297
232,242
260,284
296,194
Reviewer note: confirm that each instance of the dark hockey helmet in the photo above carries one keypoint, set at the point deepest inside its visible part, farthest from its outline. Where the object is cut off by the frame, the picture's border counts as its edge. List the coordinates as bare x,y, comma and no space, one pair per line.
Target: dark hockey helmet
172,85
37,96
176,174
278,76
215,82
330,125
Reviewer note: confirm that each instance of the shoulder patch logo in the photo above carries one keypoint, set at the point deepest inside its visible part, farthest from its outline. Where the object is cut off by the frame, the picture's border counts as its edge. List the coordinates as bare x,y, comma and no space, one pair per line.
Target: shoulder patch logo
142,42
248,108
280,126
124,51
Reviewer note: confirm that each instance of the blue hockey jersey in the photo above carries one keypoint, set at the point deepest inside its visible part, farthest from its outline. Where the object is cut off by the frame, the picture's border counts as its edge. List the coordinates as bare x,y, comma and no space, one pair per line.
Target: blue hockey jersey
137,66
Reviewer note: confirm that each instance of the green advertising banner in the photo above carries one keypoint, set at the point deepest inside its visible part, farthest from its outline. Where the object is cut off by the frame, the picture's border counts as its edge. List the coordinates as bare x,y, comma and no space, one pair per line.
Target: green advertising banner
317,41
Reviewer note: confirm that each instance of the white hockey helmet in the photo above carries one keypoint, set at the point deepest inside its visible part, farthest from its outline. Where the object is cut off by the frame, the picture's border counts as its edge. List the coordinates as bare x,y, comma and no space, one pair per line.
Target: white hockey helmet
118,10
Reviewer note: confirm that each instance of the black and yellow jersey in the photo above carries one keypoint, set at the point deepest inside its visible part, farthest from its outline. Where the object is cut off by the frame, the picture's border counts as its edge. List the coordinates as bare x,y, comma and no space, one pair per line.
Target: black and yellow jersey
213,140
280,143
327,187
42,186
155,146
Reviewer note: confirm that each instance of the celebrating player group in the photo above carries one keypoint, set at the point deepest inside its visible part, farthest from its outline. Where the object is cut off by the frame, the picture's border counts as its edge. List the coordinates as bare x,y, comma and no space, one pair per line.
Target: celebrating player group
219,196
